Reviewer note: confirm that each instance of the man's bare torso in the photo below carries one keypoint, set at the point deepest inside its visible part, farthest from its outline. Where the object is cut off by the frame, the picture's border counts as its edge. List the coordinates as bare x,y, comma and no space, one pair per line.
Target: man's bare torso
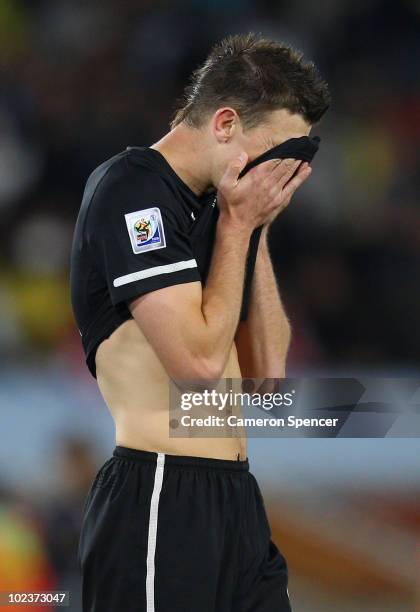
135,387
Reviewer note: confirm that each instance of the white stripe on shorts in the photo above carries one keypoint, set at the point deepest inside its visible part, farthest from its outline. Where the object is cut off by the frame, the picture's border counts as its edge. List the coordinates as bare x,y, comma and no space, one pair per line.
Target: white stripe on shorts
153,525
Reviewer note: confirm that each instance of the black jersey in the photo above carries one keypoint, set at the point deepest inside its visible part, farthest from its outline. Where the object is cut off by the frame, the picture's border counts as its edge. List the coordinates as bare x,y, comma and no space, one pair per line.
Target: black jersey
140,228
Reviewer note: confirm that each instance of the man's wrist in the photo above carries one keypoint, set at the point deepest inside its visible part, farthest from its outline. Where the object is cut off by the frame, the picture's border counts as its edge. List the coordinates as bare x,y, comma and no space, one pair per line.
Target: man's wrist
263,248
230,227
264,236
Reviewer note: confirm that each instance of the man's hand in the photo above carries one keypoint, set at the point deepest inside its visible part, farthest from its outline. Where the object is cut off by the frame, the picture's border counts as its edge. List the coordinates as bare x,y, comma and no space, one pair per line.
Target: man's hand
262,340
303,173
258,197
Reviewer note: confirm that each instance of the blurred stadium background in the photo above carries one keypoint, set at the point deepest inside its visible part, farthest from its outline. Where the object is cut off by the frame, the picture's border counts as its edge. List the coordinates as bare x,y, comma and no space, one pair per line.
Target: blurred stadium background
79,81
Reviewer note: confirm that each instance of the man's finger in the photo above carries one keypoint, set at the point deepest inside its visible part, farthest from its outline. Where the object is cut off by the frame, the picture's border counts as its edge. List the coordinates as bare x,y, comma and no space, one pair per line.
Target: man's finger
264,169
234,169
281,174
296,181
289,167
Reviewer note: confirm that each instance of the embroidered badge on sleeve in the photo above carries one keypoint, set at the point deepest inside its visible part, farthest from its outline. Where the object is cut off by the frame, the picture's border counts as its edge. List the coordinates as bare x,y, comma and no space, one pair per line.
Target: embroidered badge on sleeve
145,228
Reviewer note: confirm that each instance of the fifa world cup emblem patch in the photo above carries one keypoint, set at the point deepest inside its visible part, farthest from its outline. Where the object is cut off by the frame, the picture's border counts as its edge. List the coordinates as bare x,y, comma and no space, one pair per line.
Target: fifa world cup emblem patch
145,228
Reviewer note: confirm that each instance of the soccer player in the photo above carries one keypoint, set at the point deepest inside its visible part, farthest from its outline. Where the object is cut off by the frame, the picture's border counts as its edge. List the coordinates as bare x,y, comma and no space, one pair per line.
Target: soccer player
160,259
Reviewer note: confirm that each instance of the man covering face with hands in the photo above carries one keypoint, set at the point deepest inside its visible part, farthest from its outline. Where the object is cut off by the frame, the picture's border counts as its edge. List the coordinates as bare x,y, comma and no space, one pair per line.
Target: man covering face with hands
172,279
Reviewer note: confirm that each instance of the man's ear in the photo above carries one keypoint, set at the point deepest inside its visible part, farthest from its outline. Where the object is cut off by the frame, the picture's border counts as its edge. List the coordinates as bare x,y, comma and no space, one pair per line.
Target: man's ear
225,122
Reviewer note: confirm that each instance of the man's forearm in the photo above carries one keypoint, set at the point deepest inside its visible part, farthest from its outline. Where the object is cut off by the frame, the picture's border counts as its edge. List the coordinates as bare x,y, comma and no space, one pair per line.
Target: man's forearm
222,295
263,340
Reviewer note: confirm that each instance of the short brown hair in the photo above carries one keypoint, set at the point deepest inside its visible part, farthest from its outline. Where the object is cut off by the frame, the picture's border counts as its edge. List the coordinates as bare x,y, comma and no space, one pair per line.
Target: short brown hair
254,76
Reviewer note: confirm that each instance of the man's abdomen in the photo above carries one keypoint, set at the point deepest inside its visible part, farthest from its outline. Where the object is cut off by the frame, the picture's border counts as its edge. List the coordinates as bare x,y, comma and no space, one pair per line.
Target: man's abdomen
135,388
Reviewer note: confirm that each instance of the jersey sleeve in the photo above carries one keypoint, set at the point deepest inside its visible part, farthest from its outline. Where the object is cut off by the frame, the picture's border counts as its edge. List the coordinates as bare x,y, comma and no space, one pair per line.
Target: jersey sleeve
135,231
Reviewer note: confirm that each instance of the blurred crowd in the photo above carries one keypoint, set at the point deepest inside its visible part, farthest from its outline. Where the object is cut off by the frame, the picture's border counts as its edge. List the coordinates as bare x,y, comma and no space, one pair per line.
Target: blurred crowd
39,536
79,81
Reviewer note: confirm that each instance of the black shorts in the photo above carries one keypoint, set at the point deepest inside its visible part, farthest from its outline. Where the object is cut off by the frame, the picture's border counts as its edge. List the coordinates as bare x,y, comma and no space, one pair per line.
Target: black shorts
163,533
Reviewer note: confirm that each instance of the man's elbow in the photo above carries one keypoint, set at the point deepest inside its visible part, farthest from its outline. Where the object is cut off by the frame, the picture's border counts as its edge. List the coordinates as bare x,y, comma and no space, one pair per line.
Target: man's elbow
196,369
